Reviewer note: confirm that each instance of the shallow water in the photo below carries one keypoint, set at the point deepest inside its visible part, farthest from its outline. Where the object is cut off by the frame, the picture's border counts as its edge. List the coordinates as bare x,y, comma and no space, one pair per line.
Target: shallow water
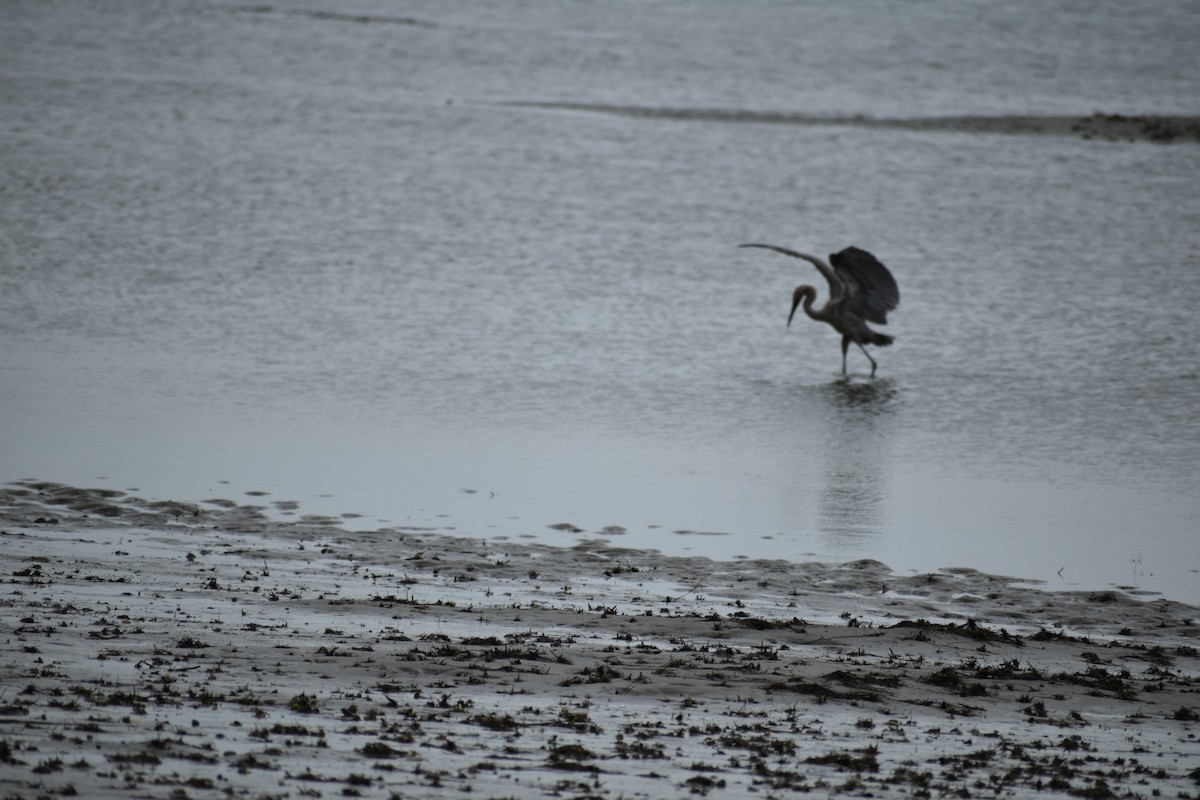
319,253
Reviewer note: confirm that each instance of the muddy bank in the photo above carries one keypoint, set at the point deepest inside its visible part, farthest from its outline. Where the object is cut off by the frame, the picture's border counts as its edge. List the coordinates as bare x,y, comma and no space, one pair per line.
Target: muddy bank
1163,129
172,650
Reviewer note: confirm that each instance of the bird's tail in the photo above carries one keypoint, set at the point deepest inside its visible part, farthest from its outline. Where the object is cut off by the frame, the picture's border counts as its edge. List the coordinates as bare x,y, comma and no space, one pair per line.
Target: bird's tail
880,339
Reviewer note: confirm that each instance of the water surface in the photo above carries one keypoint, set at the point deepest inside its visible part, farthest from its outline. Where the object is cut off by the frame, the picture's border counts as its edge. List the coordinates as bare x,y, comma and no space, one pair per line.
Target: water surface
333,254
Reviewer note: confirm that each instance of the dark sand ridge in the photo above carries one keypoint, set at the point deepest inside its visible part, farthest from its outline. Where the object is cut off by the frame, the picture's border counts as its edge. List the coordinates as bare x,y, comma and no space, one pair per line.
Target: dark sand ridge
1108,127
158,649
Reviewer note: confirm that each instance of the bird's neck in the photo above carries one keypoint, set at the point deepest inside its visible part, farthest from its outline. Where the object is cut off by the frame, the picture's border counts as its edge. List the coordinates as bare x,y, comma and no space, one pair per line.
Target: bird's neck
807,295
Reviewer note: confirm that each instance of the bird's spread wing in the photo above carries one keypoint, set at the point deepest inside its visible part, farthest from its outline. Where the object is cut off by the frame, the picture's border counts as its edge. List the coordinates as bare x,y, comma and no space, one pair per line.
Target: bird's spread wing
871,290
837,286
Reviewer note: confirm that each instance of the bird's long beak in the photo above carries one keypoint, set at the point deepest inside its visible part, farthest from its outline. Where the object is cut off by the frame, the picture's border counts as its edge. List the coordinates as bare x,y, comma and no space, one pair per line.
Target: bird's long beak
795,304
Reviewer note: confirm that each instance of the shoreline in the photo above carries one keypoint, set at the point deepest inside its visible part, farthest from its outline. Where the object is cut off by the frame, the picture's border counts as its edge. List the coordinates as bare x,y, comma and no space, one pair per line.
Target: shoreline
164,648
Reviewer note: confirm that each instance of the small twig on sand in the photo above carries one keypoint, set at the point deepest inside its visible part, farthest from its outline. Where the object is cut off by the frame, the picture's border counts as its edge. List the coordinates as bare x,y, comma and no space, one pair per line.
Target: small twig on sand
695,586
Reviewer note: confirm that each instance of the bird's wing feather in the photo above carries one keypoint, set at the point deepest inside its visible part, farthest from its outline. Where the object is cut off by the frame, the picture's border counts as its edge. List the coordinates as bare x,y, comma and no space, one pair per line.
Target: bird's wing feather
837,285
871,290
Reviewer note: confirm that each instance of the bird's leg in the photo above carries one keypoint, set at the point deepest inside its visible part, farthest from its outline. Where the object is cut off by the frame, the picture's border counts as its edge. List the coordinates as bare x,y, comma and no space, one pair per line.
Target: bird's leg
868,355
845,347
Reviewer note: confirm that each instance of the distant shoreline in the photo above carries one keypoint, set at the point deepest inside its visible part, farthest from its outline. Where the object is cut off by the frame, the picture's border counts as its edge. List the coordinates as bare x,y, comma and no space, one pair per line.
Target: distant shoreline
1106,127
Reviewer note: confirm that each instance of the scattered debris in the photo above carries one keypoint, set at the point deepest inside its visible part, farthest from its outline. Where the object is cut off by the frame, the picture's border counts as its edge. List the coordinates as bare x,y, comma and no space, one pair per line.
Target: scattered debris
185,654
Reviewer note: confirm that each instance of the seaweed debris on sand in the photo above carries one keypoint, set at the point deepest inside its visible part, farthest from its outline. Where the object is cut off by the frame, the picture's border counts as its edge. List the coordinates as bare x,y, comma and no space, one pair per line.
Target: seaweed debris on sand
168,649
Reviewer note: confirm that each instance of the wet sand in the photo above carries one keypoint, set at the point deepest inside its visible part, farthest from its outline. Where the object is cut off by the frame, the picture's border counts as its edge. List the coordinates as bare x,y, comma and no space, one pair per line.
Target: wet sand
157,649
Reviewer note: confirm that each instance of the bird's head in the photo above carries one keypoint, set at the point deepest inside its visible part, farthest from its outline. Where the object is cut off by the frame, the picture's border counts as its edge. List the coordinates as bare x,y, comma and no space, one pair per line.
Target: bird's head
798,297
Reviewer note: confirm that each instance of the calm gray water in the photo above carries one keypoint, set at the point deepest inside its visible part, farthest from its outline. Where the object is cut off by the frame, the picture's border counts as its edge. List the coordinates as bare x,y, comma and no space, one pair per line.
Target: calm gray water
324,251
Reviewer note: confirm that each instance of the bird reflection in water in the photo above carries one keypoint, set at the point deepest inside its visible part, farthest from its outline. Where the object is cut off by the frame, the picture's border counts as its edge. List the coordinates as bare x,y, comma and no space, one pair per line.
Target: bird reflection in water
867,397
856,468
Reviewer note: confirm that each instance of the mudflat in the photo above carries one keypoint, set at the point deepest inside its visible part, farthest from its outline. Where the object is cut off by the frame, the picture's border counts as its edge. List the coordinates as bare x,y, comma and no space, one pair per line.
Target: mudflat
160,649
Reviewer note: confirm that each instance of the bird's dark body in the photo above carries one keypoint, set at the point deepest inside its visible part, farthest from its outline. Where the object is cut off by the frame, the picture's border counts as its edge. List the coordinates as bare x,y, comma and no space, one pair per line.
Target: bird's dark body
861,290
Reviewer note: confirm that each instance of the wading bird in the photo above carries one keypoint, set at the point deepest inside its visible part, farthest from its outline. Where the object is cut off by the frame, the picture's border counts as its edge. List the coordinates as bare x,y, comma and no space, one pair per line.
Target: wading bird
861,290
